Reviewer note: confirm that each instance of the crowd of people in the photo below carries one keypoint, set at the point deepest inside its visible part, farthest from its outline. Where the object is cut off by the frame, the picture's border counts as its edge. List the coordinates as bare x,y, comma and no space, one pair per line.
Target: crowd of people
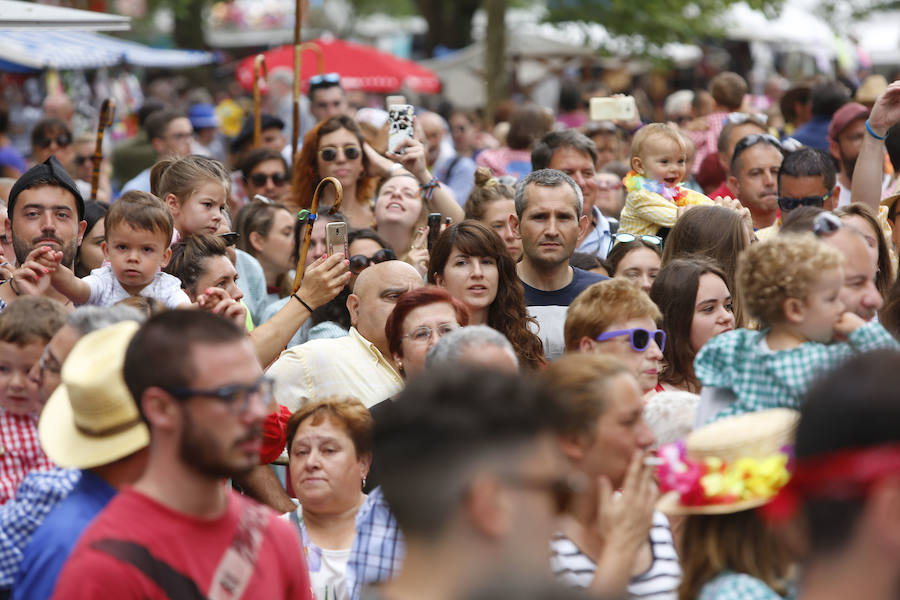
558,358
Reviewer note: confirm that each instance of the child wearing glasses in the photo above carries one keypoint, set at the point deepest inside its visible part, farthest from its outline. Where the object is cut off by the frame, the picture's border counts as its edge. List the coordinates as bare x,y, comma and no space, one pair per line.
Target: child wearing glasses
791,284
654,185
195,190
136,247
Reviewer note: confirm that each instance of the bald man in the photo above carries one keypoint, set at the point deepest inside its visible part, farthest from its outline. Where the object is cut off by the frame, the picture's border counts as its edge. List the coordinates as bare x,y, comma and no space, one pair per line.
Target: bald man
359,364
859,294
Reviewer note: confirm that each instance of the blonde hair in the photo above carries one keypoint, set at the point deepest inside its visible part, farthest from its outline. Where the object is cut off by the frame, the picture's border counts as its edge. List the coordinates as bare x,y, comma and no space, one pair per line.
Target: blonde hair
655,130
182,176
782,267
605,303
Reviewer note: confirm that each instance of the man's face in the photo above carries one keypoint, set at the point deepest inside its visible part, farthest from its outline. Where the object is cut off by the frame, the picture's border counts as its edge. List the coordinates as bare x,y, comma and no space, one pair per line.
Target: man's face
219,439
328,102
82,165
848,145
46,371
550,225
176,141
805,186
607,147
434,134
46,216
757,178
737,133
55,141
579,167
858,294
269,179
375,295
272,138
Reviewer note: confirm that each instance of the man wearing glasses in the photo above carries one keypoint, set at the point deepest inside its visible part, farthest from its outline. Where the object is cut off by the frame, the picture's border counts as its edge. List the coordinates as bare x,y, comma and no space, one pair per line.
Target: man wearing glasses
170,133
754,176
179,532
265,172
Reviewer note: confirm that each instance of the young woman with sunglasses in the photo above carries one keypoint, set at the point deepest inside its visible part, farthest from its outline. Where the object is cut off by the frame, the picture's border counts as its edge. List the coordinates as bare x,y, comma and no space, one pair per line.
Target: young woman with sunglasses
635,258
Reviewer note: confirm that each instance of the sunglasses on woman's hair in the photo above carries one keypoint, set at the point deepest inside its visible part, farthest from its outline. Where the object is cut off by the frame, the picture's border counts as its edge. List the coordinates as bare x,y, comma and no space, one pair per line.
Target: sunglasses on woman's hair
360,261
825,224
350,152
260,179
638,336
62,140
624,238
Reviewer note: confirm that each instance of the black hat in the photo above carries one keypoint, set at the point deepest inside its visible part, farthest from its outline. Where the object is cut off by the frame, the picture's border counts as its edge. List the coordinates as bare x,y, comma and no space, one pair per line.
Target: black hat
246,133
50,172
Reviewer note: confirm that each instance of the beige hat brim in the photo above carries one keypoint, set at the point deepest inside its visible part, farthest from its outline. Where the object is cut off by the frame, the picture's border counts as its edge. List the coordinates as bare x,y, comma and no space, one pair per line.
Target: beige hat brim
670,504
68,447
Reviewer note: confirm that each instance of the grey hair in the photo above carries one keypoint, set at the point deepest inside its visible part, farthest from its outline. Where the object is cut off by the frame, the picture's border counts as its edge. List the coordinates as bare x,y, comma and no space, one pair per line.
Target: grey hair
547,178
546,147
678,101
86,319
450,349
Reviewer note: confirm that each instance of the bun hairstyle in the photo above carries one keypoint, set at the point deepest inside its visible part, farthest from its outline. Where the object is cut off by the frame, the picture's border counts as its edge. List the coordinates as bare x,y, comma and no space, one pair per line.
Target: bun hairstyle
487,189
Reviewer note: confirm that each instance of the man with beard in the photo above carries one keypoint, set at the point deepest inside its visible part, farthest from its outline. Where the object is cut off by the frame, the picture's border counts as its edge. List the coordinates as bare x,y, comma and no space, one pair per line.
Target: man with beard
845,137
45,209
179,532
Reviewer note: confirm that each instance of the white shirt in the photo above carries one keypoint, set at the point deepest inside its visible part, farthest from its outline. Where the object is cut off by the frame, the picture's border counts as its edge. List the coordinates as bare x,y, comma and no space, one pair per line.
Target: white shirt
106,289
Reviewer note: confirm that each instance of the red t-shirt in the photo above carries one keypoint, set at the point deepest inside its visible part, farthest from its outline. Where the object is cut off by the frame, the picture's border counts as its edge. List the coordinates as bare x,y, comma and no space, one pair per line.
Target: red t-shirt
182,552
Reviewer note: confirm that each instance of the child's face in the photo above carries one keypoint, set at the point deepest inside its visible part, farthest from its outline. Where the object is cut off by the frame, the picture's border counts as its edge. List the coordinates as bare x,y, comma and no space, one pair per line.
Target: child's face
135,255
662,160
201,212
19,393
823,307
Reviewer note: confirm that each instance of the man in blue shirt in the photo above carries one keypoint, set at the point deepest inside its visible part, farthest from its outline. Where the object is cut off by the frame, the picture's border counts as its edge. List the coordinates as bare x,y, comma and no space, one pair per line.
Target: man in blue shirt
91,423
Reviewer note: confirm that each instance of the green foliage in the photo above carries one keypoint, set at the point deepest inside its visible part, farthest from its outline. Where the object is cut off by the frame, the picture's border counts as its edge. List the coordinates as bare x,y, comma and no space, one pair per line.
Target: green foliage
399,8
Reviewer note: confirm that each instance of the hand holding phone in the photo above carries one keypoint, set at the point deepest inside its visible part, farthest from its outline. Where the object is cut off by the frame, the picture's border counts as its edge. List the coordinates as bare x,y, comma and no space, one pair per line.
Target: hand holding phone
336,238
616,108
434,229
401,121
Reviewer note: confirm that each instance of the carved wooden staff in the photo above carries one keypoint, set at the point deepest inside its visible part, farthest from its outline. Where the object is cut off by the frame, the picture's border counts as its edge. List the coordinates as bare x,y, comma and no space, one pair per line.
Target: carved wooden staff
259,67
298,61
107,113
307,233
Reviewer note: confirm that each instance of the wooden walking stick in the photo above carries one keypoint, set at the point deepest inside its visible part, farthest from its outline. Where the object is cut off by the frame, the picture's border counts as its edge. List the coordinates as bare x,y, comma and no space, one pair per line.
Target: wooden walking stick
259,67
307,233
107,113
298,61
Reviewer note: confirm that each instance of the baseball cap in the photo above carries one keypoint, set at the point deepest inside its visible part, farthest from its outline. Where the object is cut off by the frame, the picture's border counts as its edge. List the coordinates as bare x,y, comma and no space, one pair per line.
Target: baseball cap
844,116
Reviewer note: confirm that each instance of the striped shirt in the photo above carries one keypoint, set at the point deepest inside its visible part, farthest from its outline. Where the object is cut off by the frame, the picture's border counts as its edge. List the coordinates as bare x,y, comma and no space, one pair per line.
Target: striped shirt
660,582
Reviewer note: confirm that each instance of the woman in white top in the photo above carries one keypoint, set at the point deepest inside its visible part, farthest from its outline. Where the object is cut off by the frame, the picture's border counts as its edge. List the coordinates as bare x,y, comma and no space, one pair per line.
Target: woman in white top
329,450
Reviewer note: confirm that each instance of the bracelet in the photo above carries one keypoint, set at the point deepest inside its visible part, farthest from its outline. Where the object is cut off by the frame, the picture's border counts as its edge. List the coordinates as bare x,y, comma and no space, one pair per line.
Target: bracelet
880,138
13,287
427,189
300,300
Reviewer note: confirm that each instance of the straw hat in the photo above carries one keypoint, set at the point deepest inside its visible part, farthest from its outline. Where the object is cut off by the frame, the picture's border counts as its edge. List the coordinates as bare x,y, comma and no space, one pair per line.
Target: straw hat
729,446
91,418
889,201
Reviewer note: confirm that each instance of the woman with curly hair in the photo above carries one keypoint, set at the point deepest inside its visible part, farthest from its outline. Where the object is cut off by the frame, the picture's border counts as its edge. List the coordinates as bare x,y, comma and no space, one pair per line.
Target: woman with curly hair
471,262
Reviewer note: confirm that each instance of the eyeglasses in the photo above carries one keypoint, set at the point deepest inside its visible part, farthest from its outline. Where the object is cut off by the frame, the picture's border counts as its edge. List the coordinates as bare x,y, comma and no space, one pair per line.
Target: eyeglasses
360,262
609,185
789,204
751,140
624,238
236,397
562,489
230,238
61,140
350,152
422,334
260,179
826,224
80,160
639,337
324,80
739,118
48,362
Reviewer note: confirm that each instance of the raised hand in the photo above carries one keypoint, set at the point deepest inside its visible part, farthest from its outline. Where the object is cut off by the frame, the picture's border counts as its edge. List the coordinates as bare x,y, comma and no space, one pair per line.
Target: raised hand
324,279
886,110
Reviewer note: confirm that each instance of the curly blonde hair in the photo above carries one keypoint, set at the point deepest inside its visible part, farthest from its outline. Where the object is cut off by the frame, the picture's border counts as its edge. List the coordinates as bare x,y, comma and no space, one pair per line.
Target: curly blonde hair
782,267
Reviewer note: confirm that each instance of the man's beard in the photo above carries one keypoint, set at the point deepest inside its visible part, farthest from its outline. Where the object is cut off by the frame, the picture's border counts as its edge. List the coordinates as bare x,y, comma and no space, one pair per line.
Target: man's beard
848,164
204,454
23,249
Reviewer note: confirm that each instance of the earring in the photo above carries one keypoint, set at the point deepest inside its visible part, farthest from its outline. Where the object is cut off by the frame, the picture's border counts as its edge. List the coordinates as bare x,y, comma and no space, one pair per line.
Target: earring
364,483
400,365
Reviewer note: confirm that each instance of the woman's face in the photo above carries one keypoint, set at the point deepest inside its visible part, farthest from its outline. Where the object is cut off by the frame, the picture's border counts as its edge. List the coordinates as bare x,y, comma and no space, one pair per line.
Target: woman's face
713,311
496,216
618,433
472,280
869,234
644,363
89,254
277,248
398,202
439,318
344,169
610,195
326,472
217,271
639,266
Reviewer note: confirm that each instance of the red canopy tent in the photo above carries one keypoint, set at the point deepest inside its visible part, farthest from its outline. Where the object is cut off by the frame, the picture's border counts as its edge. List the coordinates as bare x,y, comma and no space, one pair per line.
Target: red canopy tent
360,67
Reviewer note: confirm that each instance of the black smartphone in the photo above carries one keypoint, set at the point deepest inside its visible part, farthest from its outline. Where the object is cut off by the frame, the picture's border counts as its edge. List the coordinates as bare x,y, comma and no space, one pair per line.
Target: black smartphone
434,228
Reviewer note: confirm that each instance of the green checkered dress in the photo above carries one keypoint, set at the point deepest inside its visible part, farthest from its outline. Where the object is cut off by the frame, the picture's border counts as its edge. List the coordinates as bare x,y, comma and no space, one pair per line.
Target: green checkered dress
737,586
762,379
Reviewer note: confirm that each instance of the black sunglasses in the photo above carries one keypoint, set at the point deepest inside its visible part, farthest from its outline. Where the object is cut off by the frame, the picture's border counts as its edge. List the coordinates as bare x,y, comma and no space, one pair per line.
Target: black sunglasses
360,261
230,238
329,154
80,160
61,140
260,179
789,204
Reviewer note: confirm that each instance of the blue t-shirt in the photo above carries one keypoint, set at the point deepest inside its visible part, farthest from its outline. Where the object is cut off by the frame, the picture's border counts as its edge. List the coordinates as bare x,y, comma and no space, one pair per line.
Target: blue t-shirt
549,308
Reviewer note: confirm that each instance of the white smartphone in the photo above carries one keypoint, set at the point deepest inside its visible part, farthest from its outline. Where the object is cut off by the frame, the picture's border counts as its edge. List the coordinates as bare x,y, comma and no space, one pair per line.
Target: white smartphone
336,238
620,108
400,117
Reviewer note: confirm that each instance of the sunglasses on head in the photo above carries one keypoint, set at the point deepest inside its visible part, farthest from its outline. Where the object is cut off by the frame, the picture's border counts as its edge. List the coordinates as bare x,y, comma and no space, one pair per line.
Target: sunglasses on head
61,140
260,179
789,204
359,262
324,80
624,238
639,337
825,224
350,152
738,117
748,141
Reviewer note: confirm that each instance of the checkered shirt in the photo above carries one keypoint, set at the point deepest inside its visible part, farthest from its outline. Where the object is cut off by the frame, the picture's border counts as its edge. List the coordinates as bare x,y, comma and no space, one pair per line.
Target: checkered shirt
37,495
707,140
20,451
736,586
734,360
378,548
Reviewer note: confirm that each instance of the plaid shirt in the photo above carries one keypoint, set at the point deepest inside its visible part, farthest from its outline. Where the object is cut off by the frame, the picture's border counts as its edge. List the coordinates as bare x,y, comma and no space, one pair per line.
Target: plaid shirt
736,586
707,140
20,451
735,360
37,495
378,548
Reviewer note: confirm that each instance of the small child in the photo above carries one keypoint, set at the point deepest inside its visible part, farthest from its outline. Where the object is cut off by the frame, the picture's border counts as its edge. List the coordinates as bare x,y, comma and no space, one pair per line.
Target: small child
138,228
25,328
195,189
654,185
791,284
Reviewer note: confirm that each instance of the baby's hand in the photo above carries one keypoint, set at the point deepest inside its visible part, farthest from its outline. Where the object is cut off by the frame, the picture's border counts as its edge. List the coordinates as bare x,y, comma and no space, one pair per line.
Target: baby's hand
847,324
46,257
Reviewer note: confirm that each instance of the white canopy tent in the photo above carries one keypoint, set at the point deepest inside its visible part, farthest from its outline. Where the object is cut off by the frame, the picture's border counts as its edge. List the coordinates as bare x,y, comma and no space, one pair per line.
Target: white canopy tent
28,15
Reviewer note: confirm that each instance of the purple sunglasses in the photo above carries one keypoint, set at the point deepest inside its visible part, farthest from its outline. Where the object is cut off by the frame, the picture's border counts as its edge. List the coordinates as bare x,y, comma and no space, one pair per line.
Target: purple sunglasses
640,337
